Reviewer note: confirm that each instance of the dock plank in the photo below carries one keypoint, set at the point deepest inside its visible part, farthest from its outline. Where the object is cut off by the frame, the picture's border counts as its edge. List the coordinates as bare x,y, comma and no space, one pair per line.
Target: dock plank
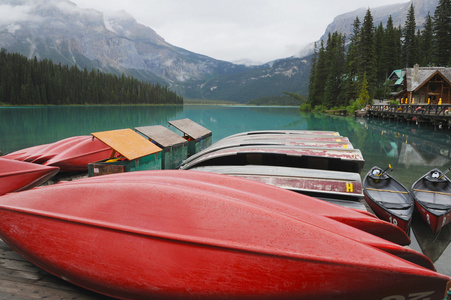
20,279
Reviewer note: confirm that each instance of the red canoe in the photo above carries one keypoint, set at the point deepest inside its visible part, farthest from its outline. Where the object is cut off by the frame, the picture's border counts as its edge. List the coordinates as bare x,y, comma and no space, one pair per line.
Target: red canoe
18,175
24,153
52,149
169,235
356,218
432,196
77,157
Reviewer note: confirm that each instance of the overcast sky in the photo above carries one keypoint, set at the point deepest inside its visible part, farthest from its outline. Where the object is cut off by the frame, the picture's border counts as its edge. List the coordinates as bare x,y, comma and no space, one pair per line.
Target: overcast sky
232,30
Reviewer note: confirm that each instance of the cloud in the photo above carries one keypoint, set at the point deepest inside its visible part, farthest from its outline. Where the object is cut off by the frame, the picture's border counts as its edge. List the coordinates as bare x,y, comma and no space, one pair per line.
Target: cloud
9,14
260,30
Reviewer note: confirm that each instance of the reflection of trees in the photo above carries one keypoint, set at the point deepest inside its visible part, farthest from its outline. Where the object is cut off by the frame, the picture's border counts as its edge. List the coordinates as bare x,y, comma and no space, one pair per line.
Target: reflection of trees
38,125
415,146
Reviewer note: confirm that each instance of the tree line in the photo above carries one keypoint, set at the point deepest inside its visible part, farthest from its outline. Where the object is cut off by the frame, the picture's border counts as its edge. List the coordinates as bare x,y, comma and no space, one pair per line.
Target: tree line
344,71
31,82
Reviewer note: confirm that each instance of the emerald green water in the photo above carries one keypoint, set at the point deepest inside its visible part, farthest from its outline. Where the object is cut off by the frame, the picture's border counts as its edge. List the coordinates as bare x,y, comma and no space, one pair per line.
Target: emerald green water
411,150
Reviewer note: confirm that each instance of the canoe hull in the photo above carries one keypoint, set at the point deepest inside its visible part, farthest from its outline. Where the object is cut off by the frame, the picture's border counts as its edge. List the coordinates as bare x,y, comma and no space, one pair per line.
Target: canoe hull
183,241
18,176
388,198
78,157
435,221
386,215
193,271
433,199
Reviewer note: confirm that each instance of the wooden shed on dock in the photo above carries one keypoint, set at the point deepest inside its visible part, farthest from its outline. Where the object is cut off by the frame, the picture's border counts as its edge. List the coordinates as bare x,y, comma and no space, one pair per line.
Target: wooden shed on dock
425,85
175,147
198,137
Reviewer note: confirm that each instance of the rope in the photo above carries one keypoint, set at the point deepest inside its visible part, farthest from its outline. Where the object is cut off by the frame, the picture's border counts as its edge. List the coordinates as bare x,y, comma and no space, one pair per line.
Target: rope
390,191
424,191
447,295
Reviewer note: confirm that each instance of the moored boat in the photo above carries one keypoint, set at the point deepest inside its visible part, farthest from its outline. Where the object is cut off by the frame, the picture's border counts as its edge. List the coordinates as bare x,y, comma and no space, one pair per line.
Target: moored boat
286,139
317,183
275,196
18,175
24,153
432,195
388,198
346,160
53,149
77,157
182,237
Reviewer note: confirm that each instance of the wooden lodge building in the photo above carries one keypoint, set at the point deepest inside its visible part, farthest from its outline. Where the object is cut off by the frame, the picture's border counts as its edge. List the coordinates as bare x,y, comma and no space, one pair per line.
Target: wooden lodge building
421,85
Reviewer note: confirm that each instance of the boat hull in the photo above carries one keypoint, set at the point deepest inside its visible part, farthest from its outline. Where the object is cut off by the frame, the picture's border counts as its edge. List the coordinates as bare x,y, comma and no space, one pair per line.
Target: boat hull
55,148
78,157
346,160
329,184
18,175
389,199
433,199
179,240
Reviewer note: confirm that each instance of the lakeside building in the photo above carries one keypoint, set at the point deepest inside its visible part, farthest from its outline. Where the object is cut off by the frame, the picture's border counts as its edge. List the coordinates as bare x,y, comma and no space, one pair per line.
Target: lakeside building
421,85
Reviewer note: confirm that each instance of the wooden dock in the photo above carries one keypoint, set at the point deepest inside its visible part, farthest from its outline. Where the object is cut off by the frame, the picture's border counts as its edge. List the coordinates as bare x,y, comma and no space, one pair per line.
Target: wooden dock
21,280
427,114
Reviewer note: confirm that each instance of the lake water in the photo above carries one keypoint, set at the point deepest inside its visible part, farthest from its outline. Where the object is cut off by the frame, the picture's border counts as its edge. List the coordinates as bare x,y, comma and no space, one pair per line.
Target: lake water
411,150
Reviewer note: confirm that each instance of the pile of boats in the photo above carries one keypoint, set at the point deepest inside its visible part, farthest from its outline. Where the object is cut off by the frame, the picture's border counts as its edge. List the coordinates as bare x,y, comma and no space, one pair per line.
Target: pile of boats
236,221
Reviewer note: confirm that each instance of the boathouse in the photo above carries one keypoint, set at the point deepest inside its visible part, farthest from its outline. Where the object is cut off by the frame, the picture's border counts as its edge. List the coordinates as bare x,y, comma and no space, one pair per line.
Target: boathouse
421,85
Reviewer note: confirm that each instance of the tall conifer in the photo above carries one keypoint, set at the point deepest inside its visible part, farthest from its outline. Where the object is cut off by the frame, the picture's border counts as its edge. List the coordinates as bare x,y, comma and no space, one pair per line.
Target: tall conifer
367,53
442,33
408,49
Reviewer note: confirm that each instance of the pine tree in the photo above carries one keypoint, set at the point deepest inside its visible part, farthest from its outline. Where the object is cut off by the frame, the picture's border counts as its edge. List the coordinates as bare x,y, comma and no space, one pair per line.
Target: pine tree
367,53
408,47
364,95
442,33
426,40
336,63
352,66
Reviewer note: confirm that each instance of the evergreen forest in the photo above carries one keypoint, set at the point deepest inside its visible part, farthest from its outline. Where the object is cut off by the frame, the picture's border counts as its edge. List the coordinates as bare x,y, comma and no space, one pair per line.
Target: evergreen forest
32,82
350,72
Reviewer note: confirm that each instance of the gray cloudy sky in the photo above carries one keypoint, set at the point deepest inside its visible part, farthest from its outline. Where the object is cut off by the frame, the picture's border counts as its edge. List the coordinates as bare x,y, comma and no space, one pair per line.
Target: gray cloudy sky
231,30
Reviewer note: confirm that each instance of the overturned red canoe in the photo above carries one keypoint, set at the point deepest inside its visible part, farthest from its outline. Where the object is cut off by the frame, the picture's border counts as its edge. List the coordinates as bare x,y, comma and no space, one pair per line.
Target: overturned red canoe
77,157
53,149
24,153
276,196
18,175
168,235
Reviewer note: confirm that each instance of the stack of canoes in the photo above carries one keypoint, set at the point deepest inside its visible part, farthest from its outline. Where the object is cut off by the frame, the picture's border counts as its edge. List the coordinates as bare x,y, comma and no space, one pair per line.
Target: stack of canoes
18,175
393,202
30,167
70,155
317,163
197,235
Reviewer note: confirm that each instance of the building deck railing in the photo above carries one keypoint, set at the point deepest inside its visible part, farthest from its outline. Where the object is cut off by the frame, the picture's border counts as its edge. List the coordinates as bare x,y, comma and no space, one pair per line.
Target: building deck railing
414,109
419,113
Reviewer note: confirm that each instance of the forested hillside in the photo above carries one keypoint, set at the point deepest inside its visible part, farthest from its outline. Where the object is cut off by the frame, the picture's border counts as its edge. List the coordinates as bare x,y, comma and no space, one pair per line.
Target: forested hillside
33,82
342,73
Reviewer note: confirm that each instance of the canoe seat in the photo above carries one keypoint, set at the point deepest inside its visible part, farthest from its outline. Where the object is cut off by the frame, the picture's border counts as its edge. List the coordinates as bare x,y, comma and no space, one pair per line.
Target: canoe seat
395,205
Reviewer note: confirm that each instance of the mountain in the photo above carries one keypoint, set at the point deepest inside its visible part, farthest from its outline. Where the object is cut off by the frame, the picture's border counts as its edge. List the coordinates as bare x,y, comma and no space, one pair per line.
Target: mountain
343,23
117,43
65,33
